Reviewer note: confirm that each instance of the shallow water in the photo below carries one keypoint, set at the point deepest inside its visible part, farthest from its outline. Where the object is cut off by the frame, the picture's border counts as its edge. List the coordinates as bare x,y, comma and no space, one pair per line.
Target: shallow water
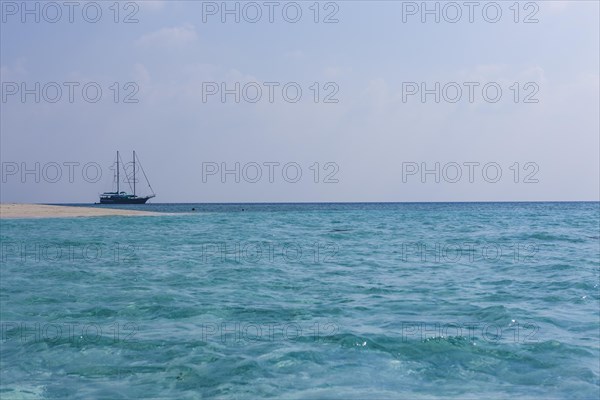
471,300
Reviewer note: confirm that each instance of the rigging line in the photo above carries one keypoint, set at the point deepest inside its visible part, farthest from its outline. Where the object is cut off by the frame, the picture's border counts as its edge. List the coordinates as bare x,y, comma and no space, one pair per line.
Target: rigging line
125,171
113,182
144,172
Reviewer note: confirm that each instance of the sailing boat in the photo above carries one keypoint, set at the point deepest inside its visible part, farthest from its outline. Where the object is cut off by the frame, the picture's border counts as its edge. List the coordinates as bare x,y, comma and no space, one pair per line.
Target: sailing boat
120,197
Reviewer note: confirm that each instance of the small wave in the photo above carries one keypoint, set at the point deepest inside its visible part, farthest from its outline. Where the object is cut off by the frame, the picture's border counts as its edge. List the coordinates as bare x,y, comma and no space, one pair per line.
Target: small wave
23,392
548,237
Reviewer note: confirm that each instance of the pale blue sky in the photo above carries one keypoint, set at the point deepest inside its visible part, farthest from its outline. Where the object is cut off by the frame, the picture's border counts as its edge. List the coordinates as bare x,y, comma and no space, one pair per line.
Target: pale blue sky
369,133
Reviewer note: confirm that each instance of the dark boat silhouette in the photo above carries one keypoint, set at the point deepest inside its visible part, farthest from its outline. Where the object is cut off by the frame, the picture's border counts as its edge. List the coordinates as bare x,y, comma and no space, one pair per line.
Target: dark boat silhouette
121,197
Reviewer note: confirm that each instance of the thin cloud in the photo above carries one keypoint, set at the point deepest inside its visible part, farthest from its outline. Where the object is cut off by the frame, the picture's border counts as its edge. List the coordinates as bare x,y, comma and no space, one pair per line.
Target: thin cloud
16,71
557,6
175,36
153,4
295,54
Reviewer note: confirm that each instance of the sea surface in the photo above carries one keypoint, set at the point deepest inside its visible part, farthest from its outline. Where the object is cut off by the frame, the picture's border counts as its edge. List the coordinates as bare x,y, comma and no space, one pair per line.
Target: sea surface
304,301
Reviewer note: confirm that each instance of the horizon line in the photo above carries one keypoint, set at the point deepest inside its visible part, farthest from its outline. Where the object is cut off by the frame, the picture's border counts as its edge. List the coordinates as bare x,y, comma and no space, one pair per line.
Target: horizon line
350,202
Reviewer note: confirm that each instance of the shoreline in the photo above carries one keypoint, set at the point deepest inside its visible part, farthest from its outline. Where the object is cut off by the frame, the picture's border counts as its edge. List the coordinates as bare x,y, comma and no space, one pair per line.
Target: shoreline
25,211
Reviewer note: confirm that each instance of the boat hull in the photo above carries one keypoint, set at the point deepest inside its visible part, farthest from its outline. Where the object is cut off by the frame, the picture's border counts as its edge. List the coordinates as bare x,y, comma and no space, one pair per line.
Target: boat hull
116,200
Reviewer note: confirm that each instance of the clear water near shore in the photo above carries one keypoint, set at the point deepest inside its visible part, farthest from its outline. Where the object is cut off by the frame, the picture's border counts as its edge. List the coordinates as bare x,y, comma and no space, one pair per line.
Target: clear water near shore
471,300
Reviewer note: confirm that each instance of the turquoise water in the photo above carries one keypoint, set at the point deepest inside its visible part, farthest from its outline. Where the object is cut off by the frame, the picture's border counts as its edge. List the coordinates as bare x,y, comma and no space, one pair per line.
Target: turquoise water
344,301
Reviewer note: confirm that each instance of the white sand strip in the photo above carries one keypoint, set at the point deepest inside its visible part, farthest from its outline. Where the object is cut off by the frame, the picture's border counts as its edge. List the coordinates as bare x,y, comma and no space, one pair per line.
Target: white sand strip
11,210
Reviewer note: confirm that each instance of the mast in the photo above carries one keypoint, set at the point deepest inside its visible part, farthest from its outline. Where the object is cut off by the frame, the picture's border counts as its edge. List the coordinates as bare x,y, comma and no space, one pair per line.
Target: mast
134,172
117,171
